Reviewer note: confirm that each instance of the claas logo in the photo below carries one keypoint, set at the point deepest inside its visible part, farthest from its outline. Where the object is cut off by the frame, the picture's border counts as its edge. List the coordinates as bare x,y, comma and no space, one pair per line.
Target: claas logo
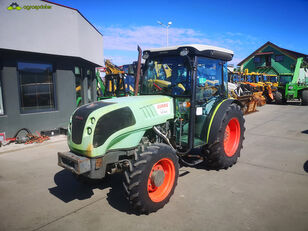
14,6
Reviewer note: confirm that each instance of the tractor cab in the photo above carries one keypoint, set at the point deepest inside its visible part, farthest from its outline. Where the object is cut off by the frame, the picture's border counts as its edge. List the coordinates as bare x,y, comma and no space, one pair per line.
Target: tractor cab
234,77
196,78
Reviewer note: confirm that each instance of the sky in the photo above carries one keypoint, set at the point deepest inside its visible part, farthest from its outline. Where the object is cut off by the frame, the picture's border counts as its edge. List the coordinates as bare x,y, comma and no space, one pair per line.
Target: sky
241,26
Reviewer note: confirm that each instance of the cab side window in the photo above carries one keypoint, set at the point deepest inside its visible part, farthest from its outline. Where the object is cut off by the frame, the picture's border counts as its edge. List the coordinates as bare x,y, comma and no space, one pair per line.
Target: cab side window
209,79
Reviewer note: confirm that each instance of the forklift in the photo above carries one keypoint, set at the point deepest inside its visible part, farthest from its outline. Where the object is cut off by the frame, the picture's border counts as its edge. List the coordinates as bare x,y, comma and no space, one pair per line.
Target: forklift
294,85
146,136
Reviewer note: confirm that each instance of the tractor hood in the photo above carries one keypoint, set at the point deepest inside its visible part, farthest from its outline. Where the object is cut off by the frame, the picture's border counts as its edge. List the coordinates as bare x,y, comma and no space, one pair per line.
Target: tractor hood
117,123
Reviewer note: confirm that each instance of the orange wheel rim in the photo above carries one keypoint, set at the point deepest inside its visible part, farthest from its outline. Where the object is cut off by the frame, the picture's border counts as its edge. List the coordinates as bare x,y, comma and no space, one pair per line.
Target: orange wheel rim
162,174
232,137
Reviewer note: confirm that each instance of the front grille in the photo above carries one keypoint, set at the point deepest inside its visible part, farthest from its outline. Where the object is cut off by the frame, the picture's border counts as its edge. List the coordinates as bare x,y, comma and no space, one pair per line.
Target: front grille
80,117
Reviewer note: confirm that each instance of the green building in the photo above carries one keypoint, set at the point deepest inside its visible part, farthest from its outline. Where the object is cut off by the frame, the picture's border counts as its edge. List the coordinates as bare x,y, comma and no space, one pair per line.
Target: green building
271,59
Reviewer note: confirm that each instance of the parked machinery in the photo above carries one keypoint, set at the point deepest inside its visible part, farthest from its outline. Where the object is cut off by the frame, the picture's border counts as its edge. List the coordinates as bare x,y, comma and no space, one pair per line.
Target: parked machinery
116,83
242,88
145,136
267,87
100,86
294,85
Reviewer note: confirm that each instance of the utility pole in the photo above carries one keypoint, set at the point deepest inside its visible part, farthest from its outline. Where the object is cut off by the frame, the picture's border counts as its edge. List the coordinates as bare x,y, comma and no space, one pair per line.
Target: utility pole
167,27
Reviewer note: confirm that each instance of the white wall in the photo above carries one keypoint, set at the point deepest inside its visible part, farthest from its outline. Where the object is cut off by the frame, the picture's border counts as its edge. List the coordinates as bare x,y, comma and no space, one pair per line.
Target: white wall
59,30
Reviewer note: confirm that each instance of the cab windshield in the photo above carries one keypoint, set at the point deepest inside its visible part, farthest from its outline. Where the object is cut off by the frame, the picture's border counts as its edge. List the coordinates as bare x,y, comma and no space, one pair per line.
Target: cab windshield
168,75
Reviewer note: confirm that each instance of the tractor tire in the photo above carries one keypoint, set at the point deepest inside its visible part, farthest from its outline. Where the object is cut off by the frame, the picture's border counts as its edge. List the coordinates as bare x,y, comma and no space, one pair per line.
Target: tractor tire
151,178
305,97
228,142
279,99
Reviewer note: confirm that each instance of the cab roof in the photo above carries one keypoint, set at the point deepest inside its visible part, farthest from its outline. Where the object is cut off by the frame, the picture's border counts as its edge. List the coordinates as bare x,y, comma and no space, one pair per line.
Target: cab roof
195,49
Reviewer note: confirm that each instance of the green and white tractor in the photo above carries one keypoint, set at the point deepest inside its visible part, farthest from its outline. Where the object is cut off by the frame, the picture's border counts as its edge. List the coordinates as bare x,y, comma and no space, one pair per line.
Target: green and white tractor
182,114
294,85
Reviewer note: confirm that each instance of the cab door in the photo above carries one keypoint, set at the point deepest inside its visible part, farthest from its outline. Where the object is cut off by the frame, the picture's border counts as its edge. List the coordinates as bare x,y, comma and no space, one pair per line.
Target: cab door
211,88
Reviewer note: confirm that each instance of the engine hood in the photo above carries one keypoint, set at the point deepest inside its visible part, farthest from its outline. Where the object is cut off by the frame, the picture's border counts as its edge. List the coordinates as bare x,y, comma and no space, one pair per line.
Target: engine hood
116,123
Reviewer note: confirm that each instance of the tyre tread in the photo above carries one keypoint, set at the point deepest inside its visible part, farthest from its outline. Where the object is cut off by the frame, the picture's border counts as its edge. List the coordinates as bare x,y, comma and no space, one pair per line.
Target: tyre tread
133,175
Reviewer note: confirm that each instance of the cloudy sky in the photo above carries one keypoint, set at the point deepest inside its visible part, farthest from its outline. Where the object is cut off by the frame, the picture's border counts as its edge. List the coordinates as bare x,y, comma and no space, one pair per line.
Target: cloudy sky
242,26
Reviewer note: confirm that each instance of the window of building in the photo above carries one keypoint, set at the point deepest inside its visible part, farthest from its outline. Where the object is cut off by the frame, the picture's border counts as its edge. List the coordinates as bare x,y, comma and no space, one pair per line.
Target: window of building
257,59
1,99
279,58
268,61
36,86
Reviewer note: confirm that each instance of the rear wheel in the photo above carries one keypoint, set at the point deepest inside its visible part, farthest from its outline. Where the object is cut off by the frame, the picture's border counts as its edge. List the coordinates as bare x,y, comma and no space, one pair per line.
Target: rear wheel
225,149
305,97
150,180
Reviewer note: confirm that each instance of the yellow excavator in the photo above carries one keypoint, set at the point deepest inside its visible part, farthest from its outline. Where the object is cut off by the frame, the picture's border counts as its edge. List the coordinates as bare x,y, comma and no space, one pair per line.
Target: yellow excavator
115,81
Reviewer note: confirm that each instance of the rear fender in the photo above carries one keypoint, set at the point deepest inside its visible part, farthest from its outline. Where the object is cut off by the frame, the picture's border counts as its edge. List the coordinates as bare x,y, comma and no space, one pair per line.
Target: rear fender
212,123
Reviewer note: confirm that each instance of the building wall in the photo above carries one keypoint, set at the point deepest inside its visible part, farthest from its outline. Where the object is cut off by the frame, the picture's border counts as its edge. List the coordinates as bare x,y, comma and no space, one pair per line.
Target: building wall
13,120
58,31
284,66
59,36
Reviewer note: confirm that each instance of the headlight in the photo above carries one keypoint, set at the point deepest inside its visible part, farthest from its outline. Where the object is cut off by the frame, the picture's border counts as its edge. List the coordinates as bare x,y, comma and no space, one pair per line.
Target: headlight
184,52
92,120
290,87
146,55
70,126
89,130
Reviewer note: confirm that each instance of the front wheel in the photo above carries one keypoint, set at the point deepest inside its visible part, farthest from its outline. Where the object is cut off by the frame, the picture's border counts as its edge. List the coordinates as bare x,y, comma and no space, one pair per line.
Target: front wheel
305,97
227,144
150,180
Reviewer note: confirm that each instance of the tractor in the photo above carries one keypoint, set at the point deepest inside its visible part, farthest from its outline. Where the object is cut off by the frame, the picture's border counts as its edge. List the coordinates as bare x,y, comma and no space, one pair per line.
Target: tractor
182,118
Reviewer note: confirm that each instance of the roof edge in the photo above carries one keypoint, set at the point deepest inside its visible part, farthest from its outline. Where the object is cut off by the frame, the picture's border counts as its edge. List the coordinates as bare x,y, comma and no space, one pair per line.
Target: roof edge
75,10
282,50
51,54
